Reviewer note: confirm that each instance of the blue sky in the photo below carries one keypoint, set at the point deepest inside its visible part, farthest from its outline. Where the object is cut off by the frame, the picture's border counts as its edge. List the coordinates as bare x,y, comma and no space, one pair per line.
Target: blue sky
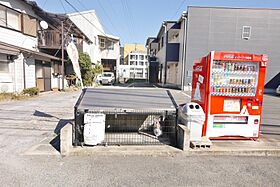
135,20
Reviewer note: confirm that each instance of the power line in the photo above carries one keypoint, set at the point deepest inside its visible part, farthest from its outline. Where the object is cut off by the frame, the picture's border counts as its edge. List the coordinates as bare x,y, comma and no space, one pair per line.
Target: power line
180,5
85,17
93,16
62,42
62,6
130,16
127,16
107,16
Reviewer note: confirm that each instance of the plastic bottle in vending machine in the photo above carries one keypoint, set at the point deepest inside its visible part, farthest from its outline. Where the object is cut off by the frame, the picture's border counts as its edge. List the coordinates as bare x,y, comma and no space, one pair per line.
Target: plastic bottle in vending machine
229,66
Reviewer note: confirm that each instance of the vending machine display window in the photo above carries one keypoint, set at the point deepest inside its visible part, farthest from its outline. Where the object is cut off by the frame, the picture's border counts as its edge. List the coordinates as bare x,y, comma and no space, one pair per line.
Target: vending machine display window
231,78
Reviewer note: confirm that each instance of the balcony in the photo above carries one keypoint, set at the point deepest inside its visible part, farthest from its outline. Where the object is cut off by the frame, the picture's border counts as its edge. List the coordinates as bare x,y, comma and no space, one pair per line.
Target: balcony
50,39
172,52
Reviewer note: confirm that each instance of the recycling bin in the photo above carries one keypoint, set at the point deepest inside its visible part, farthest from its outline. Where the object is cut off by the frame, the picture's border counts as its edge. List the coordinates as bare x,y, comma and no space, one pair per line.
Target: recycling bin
192,115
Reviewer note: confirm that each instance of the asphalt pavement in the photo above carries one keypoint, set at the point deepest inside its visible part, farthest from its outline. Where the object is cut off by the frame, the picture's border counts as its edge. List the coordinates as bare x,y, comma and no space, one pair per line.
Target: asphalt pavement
27,126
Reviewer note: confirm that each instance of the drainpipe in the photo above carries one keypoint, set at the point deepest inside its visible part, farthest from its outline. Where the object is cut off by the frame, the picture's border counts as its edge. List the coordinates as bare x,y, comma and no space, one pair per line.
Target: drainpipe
166,41
24,79
184,51
62,54
15,76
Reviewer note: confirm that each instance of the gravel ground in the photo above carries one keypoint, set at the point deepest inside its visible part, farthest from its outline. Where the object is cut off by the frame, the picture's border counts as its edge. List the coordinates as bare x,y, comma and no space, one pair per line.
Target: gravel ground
25,123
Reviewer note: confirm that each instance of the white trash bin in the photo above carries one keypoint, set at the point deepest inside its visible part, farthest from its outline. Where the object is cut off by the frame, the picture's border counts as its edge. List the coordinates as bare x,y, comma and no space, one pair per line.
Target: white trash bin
193,116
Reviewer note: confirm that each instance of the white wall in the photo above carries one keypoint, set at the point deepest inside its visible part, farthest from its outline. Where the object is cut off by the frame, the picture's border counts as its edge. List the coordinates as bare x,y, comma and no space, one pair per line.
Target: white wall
13,80
30,79
6,79
17,39
111,54
91,30
180,63
123,71
18,76
161,58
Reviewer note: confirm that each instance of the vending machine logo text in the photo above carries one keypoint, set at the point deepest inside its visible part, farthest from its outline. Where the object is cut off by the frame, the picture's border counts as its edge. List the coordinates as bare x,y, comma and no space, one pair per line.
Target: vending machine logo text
232,56
198,69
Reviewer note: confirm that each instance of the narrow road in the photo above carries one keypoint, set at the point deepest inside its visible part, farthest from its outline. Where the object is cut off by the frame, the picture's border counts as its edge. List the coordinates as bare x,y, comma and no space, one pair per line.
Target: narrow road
25,123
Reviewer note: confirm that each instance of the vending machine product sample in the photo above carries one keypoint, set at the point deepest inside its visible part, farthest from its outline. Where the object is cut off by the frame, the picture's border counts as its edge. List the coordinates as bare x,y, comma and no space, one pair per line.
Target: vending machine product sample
229,86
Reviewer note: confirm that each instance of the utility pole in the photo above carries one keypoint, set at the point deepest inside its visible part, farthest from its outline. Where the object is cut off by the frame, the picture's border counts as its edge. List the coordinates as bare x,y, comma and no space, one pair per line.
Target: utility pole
62,53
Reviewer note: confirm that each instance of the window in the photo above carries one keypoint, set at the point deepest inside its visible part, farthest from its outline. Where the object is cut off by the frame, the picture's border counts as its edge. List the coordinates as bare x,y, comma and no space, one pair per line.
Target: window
110,45
3,16
13,20
133,57
4,64
246,32
102,43
57,68
141,57
29,25
141,63
18,21
132,62
162,41
95,40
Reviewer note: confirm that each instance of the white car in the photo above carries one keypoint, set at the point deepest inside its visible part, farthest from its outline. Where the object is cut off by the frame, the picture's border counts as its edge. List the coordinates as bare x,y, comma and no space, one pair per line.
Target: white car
98,78
107,78
278,90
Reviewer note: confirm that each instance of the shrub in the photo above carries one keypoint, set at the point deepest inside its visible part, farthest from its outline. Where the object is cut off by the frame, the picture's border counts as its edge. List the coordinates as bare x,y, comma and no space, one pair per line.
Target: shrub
10,96
31,91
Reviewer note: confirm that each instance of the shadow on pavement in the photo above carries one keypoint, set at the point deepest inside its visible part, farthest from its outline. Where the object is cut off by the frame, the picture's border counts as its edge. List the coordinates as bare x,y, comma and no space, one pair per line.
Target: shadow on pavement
43,114
55,142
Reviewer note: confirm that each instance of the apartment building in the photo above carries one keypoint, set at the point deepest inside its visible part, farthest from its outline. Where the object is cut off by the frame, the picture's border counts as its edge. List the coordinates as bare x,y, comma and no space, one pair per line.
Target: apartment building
135,64
165,47
203,29
128,48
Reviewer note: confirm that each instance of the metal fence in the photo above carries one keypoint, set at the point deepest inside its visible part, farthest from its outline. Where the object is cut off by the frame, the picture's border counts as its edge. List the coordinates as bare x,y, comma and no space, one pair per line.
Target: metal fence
133,128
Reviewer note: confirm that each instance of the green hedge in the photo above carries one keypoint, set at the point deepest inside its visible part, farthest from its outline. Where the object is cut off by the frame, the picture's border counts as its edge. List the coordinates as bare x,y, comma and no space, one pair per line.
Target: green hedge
31,91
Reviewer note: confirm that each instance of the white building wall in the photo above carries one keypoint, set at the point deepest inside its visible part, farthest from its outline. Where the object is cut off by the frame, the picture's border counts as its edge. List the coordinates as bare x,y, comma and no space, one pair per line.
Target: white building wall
123,71
161,58
133,69
91,30
17,39
111,54
180,63
30,79
6,79
19,84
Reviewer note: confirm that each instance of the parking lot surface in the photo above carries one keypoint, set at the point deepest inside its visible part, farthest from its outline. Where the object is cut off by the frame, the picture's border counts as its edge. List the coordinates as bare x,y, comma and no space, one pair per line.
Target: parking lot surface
29,155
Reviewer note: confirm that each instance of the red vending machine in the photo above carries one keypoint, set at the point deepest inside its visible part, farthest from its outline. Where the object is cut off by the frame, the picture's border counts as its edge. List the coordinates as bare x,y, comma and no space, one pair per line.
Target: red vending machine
230,86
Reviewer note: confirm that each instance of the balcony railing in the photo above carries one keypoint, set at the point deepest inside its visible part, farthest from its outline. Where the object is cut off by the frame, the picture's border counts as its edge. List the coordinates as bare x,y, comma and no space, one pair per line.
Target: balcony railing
51,39
172,52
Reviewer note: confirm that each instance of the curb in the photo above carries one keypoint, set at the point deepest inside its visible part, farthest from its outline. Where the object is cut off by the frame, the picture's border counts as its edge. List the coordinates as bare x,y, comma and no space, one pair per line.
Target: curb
253,152
166,151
